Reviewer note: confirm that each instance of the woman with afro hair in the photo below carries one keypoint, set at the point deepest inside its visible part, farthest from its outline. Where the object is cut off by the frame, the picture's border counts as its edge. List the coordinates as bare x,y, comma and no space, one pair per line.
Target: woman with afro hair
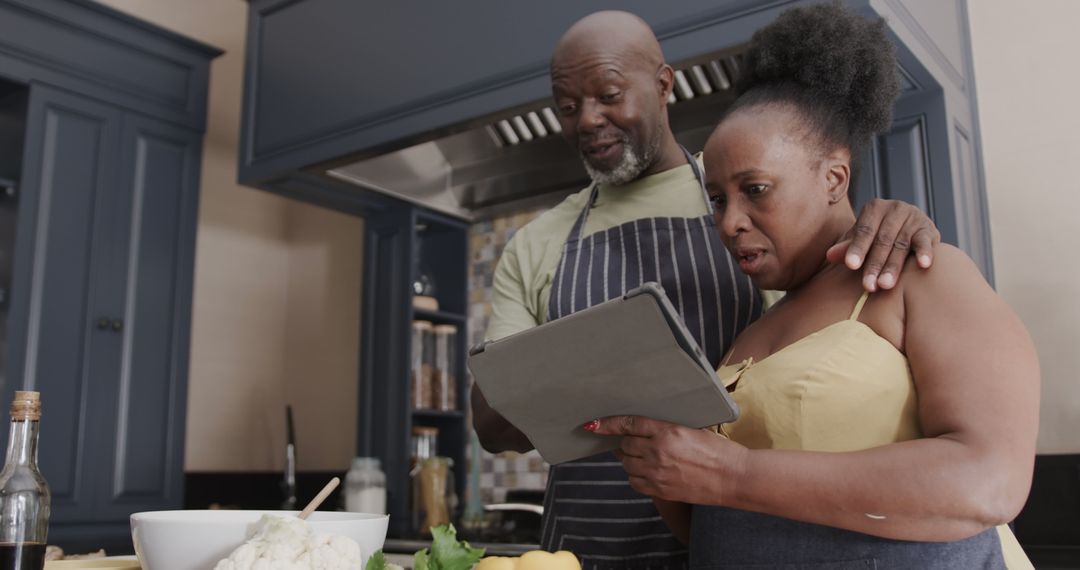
886,430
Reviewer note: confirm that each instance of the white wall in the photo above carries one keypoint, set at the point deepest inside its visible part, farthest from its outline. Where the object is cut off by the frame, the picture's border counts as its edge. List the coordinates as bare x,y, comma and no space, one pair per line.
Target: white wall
258,257
1027,84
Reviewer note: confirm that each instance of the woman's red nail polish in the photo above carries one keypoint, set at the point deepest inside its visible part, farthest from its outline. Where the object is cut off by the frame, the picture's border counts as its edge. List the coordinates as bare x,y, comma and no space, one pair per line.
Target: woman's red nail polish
591,426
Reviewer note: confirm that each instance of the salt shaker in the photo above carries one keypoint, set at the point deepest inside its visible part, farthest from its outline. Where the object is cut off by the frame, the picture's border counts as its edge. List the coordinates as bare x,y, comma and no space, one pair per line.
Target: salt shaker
365,487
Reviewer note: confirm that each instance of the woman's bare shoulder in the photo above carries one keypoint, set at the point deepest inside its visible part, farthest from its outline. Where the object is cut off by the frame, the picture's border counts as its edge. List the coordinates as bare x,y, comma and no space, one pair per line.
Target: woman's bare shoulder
952,288
951,269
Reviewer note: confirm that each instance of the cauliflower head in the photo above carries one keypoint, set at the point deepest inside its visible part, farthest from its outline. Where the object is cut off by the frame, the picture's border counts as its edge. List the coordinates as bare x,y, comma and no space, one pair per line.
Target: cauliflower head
287,543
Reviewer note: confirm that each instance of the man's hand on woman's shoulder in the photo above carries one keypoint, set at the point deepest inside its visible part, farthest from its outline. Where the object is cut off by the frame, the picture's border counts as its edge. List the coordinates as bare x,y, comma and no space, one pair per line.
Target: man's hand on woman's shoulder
883,237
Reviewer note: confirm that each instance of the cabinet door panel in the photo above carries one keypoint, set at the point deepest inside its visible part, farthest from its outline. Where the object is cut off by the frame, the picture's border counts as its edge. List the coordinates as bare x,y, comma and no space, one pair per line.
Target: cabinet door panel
911,163
55,341
155,235
897,164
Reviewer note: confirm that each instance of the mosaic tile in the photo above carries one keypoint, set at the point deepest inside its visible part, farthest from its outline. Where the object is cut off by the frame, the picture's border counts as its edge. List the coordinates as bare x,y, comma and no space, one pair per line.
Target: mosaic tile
487,240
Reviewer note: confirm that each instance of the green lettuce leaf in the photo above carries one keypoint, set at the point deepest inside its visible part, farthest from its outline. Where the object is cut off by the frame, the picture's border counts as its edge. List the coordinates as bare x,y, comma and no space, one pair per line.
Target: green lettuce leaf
447,553
420,560
376,562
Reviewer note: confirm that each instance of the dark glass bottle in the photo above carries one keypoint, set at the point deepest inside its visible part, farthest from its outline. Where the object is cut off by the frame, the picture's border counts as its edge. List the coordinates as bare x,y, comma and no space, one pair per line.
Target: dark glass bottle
24,494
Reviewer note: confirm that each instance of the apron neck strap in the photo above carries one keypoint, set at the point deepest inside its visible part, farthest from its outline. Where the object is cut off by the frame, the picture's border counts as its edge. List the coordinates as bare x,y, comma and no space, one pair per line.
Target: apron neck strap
699,175
594,193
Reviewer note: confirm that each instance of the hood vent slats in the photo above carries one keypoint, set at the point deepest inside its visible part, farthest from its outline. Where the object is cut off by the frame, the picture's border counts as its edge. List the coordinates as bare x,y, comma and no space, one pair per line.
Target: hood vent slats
514,157
693,81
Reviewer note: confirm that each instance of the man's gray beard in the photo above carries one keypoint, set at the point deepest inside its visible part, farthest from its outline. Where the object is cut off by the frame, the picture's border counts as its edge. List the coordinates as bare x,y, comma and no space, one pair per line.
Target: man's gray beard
629,168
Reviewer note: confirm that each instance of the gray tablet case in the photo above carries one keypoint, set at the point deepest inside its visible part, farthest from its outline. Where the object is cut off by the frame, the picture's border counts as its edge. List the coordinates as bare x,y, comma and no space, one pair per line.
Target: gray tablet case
631,355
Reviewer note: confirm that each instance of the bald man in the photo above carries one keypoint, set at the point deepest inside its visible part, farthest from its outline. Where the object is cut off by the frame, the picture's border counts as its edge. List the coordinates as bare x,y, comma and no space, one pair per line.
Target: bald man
645,217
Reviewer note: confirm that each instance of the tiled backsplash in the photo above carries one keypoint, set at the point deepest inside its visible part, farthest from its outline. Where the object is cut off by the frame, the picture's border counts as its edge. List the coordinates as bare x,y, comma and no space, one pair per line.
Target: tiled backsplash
504,471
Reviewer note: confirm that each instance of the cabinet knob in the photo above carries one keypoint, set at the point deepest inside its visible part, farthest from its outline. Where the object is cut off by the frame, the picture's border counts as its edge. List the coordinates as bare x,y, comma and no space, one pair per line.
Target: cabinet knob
117,325
103,323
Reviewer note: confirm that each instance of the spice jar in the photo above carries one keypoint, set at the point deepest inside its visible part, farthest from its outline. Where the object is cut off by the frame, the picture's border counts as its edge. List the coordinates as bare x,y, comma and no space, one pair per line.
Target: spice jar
421,395
424,444
434,487
444,375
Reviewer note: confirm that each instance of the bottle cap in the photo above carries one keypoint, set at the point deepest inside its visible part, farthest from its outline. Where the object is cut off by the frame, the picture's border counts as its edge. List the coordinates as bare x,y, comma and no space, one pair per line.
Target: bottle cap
366,462
26,405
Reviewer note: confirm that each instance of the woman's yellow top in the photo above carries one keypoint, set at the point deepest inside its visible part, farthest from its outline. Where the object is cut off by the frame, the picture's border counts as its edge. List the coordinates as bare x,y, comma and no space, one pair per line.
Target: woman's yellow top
842,388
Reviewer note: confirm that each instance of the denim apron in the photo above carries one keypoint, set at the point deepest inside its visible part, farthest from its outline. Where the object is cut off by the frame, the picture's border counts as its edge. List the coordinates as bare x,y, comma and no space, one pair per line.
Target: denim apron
589,507
730,539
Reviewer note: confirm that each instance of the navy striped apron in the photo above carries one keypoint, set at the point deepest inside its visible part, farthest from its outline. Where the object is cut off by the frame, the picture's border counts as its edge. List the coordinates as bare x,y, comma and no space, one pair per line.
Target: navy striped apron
730,539
589,508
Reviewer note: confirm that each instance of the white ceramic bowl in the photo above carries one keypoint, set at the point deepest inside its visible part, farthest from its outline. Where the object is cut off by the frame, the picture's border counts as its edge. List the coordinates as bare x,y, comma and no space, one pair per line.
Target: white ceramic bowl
197,540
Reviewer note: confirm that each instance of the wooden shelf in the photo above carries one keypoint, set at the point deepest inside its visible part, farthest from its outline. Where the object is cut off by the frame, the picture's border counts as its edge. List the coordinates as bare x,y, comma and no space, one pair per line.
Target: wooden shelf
440,317
439,414
440,250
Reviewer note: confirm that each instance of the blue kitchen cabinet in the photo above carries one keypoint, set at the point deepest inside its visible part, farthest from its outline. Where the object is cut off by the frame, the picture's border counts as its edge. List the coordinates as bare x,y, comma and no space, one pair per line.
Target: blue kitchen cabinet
102,306
54,294
144,390
101,280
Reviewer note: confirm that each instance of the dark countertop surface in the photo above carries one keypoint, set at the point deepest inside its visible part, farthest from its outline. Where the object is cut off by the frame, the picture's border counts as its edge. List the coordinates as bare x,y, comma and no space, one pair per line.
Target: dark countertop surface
403,546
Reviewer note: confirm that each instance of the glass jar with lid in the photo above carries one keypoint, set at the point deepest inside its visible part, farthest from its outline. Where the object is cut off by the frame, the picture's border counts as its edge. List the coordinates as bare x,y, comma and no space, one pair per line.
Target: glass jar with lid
433,497
424,447
444,373
421,395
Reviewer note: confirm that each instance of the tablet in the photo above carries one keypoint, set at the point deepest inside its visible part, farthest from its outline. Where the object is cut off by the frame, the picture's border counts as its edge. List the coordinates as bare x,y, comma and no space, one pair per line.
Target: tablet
631,355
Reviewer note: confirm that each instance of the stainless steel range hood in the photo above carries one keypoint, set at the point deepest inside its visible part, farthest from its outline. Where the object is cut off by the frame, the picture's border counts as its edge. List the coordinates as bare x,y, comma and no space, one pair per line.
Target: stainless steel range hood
519,159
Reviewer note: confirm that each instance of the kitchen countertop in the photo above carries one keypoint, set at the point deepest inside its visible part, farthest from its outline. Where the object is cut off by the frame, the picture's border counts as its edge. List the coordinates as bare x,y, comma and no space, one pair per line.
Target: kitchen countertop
403,546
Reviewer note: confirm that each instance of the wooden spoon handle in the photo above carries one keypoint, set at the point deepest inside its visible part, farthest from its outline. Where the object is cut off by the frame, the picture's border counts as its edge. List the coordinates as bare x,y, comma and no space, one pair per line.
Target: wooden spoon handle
314,504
